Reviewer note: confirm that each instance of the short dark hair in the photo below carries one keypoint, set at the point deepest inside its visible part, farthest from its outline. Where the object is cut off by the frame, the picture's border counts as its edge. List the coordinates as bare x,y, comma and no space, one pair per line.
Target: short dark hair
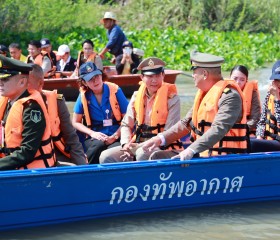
89,42
240,68
15,45
35,43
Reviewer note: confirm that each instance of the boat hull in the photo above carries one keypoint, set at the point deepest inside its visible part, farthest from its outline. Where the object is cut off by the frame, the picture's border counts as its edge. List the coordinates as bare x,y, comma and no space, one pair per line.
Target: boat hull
128,83
48,196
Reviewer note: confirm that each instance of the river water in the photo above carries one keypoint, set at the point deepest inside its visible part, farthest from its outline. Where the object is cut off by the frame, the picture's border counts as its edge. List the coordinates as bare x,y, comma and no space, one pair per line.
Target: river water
231,222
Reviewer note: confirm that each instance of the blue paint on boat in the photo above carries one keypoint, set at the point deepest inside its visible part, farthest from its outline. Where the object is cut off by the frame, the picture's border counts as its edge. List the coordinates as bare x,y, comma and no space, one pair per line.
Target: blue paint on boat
56,195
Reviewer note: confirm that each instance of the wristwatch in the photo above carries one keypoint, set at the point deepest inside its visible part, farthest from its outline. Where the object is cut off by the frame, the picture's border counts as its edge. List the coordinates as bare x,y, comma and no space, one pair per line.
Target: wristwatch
116,136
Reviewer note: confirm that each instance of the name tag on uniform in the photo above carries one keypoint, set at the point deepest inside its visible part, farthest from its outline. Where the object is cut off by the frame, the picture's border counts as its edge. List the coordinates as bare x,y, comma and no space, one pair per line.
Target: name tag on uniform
107,122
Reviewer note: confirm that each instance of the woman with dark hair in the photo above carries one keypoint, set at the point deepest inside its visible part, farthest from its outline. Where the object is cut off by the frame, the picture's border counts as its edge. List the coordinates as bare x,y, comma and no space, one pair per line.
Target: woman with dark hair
102,105
88,55
251,95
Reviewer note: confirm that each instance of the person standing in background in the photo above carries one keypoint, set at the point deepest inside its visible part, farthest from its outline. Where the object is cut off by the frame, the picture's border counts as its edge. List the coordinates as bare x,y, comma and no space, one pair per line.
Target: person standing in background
115,36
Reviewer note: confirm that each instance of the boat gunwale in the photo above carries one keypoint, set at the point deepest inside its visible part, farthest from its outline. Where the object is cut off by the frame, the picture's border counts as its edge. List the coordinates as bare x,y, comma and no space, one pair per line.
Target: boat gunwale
136,165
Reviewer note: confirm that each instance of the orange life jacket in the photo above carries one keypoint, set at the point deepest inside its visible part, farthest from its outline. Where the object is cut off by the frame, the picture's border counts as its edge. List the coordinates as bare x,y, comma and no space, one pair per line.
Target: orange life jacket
113,88
272,129
52,108
44,157
39,60
159,112
204,111
248,94
91,58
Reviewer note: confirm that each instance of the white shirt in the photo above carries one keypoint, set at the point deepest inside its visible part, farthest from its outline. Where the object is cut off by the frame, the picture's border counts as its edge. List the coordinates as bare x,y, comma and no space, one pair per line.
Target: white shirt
62,63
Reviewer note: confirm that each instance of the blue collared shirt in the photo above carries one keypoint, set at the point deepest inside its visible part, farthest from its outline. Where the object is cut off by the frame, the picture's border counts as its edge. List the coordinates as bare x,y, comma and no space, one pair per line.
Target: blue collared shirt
116,38
98,112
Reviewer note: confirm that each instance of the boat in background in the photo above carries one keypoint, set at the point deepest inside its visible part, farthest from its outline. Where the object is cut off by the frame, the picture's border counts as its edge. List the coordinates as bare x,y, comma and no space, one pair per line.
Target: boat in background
56,195
129,83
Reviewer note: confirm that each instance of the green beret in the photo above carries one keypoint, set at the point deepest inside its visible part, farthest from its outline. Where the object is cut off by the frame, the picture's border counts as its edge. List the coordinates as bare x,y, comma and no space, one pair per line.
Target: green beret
11,67
205,60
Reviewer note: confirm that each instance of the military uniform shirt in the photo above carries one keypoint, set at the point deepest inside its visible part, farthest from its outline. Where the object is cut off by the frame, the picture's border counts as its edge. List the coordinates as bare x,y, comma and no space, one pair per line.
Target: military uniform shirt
229,113
31,138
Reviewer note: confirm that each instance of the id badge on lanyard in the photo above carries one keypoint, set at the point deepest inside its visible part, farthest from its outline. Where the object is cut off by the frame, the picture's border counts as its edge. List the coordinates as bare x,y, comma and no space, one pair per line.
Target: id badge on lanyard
107,122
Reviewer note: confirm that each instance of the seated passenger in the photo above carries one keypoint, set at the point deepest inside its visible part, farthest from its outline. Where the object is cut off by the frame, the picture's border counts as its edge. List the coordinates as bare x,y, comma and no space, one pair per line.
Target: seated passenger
251,95
16,52
268,128
47,47
217,120
88,55
4,50
154,108
103,106
67,146
39,57
66,65
25,125
127,62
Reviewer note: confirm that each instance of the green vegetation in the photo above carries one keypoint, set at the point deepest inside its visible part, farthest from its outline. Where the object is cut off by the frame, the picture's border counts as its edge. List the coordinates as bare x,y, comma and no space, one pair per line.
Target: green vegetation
242,31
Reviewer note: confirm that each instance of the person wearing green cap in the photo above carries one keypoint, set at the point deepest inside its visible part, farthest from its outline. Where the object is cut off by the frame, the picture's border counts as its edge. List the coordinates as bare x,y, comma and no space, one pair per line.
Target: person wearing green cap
217,120
25,131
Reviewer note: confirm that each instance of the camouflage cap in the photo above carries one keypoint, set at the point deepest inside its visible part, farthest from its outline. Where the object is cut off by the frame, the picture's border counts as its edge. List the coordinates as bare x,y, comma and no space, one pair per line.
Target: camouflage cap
11,67
205,60
151,65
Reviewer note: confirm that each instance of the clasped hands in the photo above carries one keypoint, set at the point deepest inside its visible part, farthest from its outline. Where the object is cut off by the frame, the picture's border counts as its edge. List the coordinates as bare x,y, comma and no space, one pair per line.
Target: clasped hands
102,137
155,142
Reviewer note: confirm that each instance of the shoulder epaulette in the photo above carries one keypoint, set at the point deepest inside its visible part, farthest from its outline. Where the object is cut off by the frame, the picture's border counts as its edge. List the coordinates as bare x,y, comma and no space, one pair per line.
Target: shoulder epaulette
227,90
59,96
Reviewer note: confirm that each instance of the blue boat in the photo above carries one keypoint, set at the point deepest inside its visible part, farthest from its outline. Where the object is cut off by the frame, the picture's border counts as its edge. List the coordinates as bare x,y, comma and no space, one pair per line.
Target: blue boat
49,196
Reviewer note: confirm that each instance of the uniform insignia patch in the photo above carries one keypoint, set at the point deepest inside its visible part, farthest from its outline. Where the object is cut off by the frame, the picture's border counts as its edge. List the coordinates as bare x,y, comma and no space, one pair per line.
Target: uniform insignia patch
151,63
35,116
89,69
